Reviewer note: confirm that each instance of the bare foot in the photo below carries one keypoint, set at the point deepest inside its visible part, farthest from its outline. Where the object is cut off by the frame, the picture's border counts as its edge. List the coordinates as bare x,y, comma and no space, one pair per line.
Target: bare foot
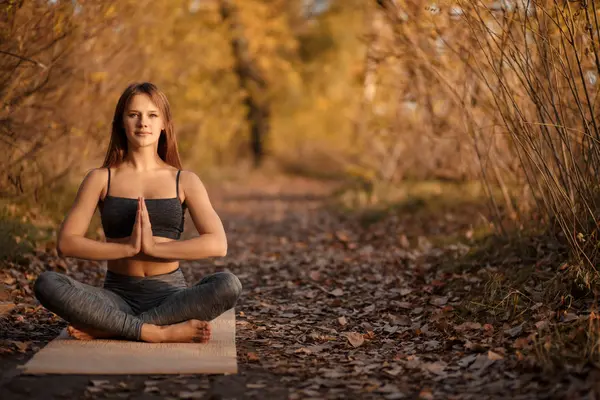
87,333
189,331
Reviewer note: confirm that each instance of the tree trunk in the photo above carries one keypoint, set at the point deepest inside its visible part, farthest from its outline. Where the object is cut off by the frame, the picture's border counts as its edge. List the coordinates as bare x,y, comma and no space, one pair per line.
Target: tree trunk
252,82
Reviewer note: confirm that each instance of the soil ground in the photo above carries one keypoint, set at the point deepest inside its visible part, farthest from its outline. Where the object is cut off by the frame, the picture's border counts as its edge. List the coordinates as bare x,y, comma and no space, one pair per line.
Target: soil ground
333,307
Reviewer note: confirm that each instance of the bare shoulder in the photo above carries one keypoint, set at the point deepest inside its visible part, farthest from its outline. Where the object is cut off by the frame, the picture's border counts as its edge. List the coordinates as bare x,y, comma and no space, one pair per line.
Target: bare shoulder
192,185
95,178
190,180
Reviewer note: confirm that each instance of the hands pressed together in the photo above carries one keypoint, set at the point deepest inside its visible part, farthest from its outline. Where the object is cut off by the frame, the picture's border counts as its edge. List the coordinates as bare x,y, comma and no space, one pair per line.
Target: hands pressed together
141,236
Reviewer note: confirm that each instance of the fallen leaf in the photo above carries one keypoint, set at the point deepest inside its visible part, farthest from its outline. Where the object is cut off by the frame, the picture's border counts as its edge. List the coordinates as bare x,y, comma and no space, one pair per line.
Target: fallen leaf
22,346
355,338
481,363
4,294
542,324
9,280
388,388
403,241
302,350
369,309
466,361
494,356
394,371
191,395
6,307
342,321
99,382
426,394
337,292
255,385
315,275
465,326
439,301
435,367
252,356
516,331
568,317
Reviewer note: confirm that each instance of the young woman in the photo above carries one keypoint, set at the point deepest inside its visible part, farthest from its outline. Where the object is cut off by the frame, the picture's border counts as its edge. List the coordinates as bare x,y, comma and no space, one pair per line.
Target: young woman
142,194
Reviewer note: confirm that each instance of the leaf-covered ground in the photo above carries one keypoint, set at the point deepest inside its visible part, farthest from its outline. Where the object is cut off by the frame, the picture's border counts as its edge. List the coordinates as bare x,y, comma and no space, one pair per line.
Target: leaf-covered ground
332,308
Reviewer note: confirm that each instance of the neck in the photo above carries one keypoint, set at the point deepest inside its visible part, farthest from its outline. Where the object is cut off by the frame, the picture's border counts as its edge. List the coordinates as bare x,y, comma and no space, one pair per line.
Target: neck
144,159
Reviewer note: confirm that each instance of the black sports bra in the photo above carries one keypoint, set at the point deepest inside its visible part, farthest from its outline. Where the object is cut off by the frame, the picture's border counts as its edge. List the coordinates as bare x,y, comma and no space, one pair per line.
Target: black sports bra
118,214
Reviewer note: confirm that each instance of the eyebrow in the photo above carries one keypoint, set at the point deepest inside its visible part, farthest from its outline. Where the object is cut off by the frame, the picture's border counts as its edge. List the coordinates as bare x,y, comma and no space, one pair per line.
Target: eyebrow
154,111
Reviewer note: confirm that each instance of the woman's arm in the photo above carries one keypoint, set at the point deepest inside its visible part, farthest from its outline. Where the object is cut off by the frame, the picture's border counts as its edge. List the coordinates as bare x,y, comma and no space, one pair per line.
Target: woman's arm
71,236
212,241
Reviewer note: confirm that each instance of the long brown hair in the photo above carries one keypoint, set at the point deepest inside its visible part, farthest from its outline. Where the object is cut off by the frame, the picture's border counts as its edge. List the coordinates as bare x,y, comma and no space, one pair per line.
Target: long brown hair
167,142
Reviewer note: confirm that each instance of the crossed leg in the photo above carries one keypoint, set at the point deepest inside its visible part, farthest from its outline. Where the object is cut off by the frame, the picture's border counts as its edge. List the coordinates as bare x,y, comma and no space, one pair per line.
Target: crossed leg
98,312
86,307
190,309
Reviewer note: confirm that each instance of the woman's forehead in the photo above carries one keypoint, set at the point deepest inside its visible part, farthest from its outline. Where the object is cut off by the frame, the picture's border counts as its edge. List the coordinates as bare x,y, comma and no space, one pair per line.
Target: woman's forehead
142,102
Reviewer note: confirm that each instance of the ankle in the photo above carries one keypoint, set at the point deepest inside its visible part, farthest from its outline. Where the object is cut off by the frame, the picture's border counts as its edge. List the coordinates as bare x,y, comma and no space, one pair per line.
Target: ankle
152,333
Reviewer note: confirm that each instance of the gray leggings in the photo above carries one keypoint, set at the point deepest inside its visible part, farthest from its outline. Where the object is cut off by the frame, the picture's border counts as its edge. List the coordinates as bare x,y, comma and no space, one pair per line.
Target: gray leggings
126,302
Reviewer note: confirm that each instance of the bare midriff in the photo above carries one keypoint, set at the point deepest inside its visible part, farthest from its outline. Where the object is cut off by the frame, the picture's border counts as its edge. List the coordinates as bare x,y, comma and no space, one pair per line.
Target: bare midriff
141,264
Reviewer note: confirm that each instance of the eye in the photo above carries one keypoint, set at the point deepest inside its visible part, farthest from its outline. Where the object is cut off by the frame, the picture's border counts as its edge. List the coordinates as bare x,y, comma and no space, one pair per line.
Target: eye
153,115
132,115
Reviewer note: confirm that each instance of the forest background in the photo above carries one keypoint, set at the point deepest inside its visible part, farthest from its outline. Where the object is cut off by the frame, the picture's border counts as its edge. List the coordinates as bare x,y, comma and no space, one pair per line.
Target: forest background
499,95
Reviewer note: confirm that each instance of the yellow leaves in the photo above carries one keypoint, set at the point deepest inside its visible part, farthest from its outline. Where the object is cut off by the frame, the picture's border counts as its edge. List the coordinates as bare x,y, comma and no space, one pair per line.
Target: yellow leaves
76,132
110,11
59,25
98,76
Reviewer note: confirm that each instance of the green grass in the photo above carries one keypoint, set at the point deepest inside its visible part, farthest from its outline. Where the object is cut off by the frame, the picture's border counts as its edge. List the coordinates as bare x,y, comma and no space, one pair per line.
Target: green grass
19,237
30,223
423,199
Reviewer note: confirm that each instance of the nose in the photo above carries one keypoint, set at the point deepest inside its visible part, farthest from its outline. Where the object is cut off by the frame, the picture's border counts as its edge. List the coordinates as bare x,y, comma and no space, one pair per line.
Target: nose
143,121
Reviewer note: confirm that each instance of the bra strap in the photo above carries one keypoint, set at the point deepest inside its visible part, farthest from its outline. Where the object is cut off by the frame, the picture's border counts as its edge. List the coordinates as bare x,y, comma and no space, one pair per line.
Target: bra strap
108,187
177,185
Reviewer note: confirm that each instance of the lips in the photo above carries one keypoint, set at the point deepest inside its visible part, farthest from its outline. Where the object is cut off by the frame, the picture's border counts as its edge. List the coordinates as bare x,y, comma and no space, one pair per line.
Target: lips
143,133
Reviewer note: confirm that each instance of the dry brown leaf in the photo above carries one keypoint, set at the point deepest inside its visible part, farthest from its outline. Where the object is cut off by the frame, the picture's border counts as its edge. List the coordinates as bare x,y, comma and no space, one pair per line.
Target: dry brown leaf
191,395
439,301
426,394
4,292
342,321
465,326
435,367
495,356
255,385
568,317
9,280
542,324
6,307
337,292
355,338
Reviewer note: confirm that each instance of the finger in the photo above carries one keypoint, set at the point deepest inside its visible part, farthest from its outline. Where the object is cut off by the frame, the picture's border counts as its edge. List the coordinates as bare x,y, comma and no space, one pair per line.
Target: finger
146,214
139,213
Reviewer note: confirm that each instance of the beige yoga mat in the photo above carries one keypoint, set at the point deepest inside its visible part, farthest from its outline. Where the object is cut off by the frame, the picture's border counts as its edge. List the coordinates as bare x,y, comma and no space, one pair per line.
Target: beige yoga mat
65,355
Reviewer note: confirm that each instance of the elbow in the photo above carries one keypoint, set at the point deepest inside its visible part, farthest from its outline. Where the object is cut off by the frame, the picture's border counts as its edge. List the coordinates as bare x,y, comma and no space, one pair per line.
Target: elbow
222,249
62,246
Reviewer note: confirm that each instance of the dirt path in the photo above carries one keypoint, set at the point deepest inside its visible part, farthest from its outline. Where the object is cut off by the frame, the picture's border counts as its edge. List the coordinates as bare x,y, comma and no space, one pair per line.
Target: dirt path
331,309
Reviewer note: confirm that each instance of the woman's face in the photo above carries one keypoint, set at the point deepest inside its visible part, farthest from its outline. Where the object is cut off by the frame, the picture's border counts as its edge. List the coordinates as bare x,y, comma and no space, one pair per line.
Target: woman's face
143,121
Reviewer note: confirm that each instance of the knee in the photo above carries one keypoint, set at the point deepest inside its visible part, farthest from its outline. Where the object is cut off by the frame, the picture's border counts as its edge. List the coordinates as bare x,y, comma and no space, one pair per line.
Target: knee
232,287
45,285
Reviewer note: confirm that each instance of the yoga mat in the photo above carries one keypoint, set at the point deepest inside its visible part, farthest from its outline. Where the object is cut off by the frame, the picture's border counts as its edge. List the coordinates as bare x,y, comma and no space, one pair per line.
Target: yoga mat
65,355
